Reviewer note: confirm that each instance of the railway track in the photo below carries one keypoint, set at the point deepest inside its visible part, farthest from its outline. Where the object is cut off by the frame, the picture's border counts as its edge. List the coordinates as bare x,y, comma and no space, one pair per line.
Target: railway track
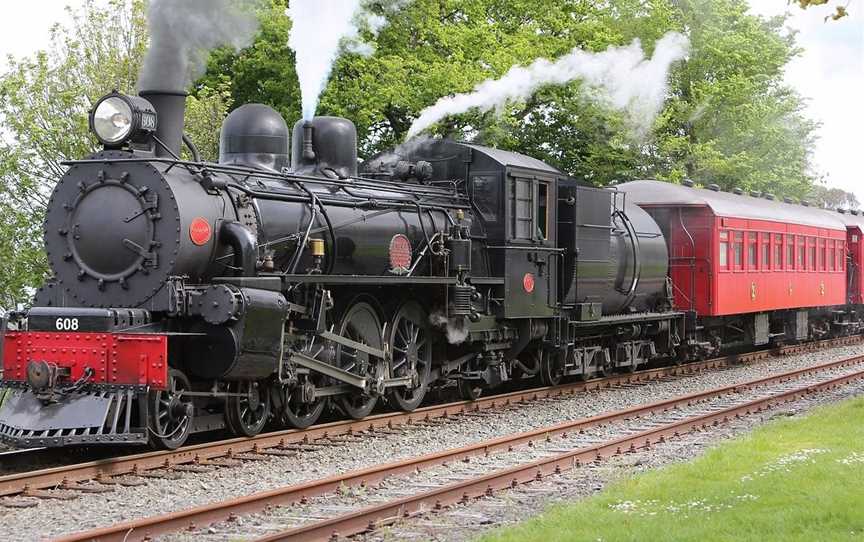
560,447
134,469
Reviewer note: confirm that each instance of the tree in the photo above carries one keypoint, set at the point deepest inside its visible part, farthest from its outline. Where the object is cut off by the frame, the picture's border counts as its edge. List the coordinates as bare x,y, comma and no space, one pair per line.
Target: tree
832,198
44,103
839,11
729,120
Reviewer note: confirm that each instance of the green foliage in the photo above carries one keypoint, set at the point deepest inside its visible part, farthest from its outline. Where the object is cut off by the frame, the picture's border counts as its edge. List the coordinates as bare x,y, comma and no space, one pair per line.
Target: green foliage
794,480
44,103
839,11
206,108
43,111
729,120
832,198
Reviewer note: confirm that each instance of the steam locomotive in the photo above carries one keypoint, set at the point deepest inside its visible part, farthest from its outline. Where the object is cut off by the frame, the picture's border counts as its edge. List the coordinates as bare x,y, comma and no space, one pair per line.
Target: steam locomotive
268,287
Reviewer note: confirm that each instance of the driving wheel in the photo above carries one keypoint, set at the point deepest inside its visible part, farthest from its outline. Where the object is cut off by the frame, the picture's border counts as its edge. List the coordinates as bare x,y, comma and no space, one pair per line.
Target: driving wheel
411,345
360,323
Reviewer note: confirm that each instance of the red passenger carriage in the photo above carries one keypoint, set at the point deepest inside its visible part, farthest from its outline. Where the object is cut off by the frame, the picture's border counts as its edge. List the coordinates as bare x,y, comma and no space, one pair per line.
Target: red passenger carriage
750,267
855,256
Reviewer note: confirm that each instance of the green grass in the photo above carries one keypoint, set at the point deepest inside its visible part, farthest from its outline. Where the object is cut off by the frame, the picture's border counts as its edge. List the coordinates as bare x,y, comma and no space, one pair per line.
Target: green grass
791,480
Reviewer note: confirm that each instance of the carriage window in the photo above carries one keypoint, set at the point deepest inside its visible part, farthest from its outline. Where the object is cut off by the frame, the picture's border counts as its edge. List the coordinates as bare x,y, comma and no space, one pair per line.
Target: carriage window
724,250
841,255
830,258
521,205
486,196
790,252
799,263
752,251
778,251
821,254
739,249
811,251
542,211
766,251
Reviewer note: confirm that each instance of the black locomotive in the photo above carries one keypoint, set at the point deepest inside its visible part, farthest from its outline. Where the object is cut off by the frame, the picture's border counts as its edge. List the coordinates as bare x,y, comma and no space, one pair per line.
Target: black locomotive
191,296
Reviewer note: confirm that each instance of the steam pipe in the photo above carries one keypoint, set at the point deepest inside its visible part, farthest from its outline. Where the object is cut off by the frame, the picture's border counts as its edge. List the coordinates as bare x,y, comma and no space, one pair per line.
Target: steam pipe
193,149
308,150
244,244
170,106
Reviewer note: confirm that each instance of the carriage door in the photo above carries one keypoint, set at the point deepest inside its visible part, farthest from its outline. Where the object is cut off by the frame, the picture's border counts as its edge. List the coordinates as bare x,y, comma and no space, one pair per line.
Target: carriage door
530,259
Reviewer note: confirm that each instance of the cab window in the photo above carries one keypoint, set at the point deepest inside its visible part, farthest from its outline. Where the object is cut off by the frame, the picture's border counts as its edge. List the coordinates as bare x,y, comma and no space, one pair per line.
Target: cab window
521,200
542,211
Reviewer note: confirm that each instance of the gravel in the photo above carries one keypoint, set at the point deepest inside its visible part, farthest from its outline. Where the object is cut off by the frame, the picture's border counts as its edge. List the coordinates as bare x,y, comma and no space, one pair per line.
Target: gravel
351,499
469,521
53,517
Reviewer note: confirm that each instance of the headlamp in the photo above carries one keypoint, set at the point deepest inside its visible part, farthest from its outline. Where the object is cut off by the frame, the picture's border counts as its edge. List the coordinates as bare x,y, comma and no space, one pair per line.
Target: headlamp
117,119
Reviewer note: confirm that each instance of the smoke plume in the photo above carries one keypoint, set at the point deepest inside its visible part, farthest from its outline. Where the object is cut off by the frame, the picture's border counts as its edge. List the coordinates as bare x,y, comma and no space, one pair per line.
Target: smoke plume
319,28
183,32
619,76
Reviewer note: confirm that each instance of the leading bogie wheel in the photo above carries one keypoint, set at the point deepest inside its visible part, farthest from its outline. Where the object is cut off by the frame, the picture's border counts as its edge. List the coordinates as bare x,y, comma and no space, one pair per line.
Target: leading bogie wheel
247,412
170,419
360,323
298,412
411,347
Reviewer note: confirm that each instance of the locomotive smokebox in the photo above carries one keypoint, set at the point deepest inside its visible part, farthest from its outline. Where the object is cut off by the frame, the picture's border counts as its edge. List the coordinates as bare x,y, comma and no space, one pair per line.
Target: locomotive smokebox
325,146
170,106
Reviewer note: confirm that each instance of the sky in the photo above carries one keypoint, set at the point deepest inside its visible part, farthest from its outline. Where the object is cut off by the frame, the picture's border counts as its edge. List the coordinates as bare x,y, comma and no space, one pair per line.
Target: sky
830,73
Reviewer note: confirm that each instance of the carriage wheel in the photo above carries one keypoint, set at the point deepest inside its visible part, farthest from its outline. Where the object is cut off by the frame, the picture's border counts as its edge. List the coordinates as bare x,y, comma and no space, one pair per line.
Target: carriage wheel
247,414
551,367
411,342
361,324
171,413
604,369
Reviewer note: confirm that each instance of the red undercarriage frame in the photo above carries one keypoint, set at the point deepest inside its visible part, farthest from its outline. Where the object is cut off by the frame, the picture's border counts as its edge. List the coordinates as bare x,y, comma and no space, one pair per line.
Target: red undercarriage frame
116,358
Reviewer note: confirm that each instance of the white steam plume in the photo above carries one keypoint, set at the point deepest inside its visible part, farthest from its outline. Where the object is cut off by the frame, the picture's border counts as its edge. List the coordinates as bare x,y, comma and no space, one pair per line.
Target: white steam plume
319,28
183,32
621,76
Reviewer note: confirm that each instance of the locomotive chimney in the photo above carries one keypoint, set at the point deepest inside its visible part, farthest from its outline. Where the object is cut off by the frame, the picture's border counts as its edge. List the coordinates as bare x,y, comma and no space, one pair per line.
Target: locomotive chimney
170,108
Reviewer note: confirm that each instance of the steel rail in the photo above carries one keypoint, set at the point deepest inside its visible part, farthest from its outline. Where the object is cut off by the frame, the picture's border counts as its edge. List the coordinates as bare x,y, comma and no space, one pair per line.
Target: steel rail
203,515
374,517
18,483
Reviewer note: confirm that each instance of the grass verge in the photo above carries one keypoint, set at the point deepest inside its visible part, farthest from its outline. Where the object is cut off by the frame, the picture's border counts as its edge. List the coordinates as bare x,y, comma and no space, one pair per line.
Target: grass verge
797,479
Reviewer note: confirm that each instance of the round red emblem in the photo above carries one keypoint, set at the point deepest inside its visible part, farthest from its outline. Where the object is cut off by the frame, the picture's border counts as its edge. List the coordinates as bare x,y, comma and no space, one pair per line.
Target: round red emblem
528,282
400,252
200,231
